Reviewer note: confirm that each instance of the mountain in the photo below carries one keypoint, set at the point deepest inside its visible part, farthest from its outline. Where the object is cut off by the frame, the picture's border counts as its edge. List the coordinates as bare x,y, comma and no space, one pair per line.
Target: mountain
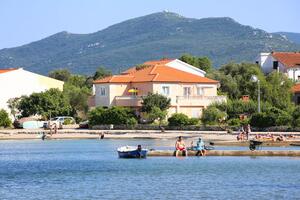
294,37
153,36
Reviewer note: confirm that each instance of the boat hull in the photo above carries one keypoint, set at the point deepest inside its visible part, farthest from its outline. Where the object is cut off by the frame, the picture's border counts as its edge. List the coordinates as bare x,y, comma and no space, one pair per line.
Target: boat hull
133,154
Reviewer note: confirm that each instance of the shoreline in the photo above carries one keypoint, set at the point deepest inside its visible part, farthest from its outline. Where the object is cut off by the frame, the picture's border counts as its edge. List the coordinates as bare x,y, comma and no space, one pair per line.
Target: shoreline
220,138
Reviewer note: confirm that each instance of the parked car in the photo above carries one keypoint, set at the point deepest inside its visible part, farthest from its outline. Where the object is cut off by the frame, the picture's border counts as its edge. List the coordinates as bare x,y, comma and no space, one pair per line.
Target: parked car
59,121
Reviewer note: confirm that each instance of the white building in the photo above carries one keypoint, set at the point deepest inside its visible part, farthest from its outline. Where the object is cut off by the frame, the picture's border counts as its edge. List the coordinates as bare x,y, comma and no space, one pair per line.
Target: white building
17,82
286,62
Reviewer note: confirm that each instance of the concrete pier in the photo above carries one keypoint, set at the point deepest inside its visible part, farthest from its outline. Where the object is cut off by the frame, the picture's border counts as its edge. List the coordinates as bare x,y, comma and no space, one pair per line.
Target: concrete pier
291,153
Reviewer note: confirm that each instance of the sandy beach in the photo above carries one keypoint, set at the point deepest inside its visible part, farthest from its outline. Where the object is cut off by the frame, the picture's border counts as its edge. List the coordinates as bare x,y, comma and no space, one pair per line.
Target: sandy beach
219,137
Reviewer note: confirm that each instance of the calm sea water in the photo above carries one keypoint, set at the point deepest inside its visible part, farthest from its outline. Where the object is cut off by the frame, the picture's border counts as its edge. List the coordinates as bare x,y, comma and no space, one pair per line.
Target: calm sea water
90,169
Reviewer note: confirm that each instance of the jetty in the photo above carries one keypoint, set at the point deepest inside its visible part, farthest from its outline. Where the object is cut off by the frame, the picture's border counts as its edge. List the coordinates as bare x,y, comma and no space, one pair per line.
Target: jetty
280,153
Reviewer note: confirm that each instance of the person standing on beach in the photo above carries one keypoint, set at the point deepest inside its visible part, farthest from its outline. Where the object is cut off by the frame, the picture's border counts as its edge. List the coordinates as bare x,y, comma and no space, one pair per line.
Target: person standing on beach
248,131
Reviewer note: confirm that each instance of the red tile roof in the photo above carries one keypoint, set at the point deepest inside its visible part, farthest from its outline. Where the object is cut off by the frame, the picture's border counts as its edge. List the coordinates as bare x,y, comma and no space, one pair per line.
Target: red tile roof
289,59
157,71
7,70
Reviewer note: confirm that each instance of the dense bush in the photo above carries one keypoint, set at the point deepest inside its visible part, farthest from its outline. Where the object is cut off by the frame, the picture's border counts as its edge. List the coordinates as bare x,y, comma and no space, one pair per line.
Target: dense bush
262,120
114,115
296,117
180,119
4,119
212,116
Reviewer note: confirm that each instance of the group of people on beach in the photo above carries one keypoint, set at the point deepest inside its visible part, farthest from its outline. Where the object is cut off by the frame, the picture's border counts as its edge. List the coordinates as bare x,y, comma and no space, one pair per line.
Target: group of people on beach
181,147
244,133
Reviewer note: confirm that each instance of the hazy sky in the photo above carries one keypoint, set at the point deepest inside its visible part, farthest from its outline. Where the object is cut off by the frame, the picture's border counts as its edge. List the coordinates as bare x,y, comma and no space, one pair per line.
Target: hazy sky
24,21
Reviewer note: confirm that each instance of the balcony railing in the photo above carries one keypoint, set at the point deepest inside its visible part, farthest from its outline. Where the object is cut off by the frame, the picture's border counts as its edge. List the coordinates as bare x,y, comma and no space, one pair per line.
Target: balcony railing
199,100
135,101
132,101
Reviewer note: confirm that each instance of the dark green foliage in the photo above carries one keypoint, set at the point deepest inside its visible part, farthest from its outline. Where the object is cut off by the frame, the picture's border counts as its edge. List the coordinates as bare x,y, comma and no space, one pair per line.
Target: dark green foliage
101,72
271,117
296,117
203,63
193,121
4,119
60,74
141,66
179,119
114,115
155,100
212,116
145,38
262,120
50,103
234,108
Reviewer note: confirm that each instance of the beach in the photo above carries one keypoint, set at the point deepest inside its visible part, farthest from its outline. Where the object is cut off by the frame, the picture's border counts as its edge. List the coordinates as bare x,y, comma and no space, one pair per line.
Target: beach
219,137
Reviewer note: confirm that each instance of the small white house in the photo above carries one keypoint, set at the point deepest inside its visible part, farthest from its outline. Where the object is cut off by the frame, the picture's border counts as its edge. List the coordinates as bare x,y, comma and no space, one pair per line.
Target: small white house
17,82
286,62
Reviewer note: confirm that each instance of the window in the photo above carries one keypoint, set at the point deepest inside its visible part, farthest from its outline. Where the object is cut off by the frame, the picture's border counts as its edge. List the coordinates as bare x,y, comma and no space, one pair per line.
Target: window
102,91
200,91
275,65
186,91
165,90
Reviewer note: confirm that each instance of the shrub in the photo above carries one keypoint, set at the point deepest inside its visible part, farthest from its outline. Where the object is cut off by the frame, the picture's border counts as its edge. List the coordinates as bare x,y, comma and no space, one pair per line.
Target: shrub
131,122
4,119
193,121
179,119
114,115
234,122
212,116
262,120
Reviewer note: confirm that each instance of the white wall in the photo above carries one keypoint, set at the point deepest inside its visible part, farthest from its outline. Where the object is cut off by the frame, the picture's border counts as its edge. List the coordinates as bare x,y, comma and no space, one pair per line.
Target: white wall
20,82
178,64
293,73
265,60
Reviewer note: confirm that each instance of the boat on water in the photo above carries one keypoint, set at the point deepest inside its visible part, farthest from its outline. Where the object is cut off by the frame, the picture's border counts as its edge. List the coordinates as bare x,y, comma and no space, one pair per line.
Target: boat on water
132,152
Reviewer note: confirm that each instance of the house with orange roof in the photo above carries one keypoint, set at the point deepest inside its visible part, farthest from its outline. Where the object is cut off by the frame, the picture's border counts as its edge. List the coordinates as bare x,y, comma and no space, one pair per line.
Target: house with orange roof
286,62
15,82
187,87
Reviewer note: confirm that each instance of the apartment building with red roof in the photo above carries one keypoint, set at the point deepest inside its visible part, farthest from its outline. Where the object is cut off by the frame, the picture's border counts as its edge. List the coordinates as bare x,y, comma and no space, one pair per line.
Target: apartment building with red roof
187,87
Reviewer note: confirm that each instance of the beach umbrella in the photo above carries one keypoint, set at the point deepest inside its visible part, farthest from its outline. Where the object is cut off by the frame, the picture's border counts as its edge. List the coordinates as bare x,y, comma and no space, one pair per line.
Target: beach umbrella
132,90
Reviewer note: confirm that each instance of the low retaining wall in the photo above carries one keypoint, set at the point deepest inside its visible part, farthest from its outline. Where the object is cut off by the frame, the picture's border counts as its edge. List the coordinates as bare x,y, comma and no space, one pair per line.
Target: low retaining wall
230,153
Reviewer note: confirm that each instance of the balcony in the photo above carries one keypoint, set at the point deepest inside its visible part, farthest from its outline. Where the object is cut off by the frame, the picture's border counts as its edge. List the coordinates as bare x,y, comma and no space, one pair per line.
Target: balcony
199,100
128,101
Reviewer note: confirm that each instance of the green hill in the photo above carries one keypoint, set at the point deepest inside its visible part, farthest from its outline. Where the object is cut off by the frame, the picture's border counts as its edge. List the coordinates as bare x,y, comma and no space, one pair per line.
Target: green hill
294,37
154,36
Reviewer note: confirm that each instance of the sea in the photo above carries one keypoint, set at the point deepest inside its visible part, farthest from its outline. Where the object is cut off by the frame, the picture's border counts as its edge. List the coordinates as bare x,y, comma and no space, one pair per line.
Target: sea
91,169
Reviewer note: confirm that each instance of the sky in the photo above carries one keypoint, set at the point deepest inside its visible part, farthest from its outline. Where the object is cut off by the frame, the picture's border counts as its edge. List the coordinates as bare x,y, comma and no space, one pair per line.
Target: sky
25,21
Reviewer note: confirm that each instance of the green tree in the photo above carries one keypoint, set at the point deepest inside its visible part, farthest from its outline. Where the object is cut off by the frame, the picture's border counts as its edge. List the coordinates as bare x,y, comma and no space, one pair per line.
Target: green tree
279,88
60,74
49,103
179,119
212,116
101,72
156,113
13,106
4,119
203,63
113,115
155,100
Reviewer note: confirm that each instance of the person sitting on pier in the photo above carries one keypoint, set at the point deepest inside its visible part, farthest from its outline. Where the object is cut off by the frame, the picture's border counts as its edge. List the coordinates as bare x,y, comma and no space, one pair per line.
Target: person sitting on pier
180,146
201,147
